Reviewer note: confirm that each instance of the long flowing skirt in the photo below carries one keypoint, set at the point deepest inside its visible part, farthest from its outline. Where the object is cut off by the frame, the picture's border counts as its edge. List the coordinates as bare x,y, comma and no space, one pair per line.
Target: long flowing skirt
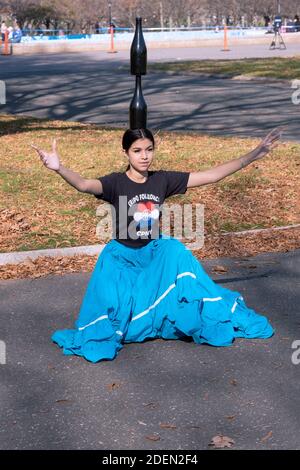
158,291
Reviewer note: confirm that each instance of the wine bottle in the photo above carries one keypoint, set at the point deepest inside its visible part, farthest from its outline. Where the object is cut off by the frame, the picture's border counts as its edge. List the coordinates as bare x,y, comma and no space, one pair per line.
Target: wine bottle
138,107
138,51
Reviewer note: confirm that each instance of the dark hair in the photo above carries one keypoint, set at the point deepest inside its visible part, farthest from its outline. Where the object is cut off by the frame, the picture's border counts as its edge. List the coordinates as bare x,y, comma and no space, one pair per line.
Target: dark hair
131,135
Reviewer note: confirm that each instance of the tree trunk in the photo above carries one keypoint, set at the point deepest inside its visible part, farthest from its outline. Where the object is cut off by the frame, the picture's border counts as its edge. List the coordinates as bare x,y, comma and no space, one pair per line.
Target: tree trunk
161,16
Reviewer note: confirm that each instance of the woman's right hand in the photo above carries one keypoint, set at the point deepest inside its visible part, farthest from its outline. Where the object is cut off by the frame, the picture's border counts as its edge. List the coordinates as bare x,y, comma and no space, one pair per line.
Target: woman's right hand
50,160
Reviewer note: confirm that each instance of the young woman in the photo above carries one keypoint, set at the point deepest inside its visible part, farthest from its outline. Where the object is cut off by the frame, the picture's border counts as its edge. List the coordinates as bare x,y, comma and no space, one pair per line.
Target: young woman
146,284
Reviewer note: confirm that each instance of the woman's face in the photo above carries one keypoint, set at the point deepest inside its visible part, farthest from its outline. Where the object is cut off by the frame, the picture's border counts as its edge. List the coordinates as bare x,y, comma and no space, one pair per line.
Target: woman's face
140,154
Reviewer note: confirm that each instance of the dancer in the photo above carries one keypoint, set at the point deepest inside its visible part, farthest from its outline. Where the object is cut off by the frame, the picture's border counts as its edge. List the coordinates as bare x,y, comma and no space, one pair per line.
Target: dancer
146,284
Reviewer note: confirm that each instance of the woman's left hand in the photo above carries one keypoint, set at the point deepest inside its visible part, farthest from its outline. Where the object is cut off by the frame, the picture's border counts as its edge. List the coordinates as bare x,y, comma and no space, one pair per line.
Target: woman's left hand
268,143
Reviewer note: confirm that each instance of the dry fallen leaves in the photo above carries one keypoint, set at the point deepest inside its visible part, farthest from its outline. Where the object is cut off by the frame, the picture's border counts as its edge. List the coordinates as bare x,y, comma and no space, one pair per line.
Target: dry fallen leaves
113,386
168,426
151,406
153,437
219,269
262,195
230,417
220,442
265,438
248,245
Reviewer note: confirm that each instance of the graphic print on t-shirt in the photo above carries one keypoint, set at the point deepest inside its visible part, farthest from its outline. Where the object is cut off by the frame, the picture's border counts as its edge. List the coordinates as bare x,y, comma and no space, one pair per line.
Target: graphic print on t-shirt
145,215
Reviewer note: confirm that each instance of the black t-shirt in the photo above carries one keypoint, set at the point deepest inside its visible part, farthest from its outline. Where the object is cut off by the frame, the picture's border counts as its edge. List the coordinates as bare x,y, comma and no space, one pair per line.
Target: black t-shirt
136,207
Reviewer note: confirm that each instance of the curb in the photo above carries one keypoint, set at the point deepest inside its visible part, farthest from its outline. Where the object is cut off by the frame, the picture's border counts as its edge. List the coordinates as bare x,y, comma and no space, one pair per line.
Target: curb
21,256
259,230
91,250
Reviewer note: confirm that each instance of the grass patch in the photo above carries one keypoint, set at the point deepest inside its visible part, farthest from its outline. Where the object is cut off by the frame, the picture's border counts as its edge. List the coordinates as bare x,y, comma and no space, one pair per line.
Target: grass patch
243,181
232,227
38,209
275,67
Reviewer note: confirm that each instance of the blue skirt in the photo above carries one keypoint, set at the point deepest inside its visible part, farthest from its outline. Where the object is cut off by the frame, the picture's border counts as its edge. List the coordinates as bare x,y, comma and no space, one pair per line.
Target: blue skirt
157,291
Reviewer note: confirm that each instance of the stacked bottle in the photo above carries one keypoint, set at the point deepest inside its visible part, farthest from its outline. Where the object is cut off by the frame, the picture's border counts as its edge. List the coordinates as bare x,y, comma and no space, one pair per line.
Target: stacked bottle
138,61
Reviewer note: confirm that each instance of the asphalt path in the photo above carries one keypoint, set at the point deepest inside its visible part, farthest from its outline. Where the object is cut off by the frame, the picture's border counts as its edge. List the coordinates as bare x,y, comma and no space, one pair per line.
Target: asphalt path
249,391
98,88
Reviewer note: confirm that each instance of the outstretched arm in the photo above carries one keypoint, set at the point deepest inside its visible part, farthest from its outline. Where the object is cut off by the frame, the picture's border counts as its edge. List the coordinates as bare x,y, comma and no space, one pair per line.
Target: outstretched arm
213,175
52,162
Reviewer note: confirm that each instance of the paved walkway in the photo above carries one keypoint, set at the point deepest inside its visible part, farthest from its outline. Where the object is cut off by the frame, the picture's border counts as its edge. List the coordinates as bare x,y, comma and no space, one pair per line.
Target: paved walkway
249,391
98,88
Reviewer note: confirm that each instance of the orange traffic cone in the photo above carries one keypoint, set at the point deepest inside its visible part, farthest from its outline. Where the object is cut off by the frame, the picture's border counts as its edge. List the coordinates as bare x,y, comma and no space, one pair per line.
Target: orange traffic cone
226,48
6,45
112,47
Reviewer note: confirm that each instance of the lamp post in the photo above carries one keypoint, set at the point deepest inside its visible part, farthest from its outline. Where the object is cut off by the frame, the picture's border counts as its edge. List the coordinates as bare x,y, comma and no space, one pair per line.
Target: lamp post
278,7
109,14
111,30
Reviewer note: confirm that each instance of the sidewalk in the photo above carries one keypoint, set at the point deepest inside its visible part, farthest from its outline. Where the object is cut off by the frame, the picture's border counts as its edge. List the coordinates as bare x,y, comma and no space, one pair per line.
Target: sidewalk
181,393
183,103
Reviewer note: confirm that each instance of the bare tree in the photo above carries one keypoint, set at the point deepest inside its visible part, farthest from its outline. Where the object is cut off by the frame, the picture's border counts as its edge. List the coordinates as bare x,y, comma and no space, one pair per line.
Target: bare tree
81,15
